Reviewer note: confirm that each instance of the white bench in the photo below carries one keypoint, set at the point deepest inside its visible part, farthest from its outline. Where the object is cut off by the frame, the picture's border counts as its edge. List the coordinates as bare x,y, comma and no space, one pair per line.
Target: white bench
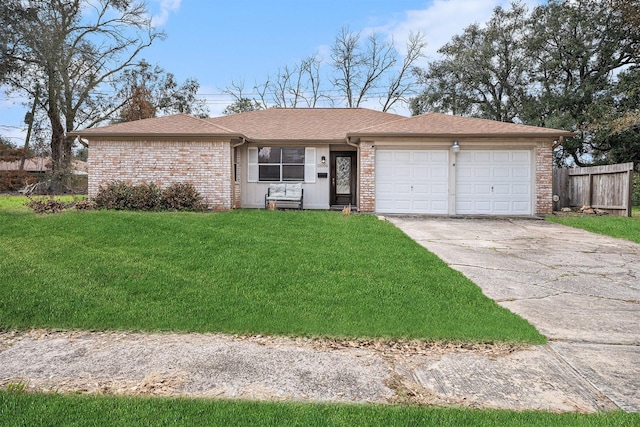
290,194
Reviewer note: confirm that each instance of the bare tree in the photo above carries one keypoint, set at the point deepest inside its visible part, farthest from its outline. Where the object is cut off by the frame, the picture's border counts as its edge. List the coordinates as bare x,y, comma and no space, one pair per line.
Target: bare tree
404,81
74,50
291,87
363,71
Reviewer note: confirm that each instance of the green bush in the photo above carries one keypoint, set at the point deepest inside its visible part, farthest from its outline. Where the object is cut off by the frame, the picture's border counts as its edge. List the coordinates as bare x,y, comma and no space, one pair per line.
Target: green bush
636,189
120,195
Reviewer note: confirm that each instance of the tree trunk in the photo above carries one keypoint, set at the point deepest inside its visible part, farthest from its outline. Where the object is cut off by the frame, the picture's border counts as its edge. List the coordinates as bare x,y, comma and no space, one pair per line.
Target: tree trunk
59,159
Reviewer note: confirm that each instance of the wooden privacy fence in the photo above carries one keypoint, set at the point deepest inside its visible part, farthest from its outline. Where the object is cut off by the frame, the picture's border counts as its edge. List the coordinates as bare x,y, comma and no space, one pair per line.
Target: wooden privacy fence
606,187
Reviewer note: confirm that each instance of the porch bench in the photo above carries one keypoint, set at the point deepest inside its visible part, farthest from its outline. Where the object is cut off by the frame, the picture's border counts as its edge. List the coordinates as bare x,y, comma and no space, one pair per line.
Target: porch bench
291,194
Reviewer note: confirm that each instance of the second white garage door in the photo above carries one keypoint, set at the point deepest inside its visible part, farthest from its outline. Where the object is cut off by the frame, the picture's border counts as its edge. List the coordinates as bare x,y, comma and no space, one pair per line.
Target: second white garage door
412,181
496,182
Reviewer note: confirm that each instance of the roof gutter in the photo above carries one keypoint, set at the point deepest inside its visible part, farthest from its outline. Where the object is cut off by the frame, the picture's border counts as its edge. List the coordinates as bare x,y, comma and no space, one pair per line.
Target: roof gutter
243,140
347,140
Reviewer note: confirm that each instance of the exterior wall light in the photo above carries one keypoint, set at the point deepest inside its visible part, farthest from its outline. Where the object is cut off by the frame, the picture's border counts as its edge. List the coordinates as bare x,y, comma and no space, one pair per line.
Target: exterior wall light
323,159
455,147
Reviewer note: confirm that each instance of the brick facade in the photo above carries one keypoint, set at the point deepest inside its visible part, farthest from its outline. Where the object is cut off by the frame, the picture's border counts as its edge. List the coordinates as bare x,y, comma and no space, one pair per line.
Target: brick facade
544,177
205,164
367,177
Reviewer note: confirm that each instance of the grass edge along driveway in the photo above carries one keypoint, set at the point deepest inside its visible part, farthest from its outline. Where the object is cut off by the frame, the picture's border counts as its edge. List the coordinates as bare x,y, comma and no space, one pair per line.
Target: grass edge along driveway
242,272
621,227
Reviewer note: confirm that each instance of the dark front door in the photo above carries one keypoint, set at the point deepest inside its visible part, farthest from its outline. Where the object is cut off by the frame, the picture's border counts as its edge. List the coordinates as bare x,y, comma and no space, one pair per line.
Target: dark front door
343,178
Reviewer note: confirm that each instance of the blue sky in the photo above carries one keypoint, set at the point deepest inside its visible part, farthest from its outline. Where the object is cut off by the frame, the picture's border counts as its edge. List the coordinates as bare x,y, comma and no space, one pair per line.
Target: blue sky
217,41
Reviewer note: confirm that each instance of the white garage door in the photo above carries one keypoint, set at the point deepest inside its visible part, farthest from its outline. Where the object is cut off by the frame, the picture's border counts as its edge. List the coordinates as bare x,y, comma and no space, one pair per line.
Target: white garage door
494,182
412,181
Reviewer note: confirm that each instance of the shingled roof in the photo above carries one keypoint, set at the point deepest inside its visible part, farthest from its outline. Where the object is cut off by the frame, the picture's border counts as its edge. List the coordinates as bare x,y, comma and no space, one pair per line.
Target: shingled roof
438,124
316,125
303,124
167,126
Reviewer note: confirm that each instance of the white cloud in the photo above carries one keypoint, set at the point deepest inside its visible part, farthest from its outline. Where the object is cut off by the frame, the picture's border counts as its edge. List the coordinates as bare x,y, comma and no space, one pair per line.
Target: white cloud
441,20
166,7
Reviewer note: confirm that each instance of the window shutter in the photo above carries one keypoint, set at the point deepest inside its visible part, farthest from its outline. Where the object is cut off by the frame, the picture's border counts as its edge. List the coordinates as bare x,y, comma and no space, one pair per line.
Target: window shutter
252,165
309,164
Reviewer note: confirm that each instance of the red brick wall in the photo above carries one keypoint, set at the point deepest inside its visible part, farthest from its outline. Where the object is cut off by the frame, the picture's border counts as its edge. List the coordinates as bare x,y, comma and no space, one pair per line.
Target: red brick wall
205,164
367,189
544,177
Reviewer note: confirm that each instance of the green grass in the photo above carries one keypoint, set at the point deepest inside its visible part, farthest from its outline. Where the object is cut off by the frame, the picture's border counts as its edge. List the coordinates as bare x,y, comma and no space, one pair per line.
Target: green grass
614,226
81,410
254,271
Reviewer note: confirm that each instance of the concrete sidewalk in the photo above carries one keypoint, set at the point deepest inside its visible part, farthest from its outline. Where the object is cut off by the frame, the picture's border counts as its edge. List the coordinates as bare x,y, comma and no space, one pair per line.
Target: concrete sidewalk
580,289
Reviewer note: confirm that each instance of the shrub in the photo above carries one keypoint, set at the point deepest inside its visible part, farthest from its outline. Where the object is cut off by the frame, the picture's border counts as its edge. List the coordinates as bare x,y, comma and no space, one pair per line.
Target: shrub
636,189
182,196
116,195
146,197
44,205
120,195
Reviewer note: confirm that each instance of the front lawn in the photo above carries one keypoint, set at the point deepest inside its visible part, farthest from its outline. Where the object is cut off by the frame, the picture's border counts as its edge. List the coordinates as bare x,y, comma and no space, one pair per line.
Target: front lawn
246,272
57,410
615,226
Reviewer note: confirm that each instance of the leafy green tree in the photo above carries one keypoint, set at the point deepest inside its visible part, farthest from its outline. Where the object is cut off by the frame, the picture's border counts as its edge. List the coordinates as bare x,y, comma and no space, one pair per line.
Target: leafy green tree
555,67
484,71
616,135
241,105
578,47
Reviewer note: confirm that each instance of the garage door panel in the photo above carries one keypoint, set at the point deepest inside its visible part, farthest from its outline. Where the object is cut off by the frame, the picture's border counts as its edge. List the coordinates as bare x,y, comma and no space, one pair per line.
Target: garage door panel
502,172
521,189
502,190
401,157
521,207
412,181
481,173
494,182
521,172
501,156
439,172
520,156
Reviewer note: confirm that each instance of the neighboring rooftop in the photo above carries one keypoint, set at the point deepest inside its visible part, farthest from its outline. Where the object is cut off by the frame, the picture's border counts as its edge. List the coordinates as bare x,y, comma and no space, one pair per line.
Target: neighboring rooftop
40,164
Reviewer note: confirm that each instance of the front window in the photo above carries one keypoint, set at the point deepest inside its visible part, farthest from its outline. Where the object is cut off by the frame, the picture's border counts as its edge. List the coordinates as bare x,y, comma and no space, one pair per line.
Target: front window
280,164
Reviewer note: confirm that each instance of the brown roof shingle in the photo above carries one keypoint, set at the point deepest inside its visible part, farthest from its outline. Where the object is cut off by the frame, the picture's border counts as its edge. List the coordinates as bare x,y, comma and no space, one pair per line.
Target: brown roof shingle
174,125
316,125
438,124
303,124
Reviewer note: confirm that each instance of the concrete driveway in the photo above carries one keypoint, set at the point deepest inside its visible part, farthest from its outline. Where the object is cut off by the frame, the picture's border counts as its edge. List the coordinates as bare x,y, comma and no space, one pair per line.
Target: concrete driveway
579,289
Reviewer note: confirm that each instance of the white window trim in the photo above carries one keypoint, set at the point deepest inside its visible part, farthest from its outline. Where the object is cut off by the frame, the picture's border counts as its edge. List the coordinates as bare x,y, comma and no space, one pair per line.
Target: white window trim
253,169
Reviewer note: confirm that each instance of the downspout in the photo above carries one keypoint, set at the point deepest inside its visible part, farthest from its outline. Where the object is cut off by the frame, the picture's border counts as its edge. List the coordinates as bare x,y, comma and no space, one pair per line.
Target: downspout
348,141
558,142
